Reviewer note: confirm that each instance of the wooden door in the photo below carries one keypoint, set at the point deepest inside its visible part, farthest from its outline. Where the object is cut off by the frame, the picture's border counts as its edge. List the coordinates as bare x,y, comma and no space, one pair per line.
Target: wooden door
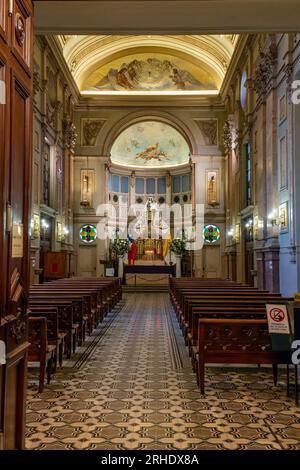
16,65
87,259
212,262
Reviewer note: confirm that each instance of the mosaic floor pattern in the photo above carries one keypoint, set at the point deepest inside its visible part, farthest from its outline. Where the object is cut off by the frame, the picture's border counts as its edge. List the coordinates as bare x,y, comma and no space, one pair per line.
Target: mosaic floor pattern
136,390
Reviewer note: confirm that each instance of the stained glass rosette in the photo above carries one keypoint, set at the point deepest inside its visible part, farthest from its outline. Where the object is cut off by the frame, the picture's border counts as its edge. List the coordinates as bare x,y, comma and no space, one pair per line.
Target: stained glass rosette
211,233
88,233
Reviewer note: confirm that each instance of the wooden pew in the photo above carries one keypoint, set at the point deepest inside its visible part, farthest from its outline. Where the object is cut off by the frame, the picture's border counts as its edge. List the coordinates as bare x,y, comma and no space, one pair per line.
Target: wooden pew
218,305
109,292
39,349
65,319
54,336
224,311
242,298
79,302
240,341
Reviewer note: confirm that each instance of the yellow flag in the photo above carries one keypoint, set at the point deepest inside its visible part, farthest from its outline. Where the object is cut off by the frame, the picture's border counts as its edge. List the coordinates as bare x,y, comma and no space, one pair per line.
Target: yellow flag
167,244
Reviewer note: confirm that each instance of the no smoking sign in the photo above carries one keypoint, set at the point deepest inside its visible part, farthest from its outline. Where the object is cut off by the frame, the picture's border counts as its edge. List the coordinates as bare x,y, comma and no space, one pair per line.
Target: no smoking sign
278,319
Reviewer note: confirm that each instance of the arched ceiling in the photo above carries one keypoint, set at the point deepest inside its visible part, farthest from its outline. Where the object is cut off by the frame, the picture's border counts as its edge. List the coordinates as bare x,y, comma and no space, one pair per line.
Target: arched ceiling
150,144
148,64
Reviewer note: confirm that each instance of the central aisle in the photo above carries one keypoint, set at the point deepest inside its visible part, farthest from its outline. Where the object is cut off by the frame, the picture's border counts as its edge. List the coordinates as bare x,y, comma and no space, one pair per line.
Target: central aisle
137,390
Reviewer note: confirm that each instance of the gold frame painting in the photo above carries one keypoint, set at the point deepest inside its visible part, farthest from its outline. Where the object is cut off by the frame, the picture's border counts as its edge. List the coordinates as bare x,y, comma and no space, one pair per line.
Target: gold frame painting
212,188
36,225
283,217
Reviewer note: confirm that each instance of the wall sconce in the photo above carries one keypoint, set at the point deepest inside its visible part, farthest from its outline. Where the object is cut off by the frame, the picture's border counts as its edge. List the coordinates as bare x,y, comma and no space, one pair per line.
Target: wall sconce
66,232
249,230
31,229
249,224
45,226
230,233
273,218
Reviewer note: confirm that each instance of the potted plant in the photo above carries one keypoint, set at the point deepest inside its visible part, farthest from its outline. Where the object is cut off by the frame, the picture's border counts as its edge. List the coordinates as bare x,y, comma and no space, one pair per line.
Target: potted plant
120,247
178,246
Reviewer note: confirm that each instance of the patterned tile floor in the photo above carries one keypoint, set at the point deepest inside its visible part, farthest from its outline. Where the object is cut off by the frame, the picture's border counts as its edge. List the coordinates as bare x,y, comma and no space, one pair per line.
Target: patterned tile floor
136,390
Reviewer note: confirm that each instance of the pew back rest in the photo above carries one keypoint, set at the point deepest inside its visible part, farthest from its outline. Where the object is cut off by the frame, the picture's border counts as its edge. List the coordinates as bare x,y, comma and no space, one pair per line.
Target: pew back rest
52,321
37,336
239,335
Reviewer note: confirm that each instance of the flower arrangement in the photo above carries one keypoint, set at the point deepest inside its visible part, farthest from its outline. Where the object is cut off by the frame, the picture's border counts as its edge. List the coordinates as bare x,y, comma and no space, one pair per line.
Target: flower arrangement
177,246
120,246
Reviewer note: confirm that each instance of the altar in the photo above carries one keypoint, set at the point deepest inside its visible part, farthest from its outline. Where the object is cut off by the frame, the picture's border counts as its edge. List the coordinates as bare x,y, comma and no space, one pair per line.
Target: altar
148,272
149,249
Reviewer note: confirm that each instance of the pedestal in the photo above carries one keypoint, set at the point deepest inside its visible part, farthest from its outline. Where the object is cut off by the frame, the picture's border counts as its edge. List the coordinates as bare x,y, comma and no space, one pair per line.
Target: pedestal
178,265
120,267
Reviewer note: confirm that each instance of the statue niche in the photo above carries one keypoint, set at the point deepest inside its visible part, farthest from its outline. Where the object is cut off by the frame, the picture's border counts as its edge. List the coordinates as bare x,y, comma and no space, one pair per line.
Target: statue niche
212,192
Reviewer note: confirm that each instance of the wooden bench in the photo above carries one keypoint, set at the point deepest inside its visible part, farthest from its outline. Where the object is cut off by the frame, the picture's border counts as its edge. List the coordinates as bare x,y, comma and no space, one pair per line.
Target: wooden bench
78,303
54,335
65,319
239,341
39,349
224,307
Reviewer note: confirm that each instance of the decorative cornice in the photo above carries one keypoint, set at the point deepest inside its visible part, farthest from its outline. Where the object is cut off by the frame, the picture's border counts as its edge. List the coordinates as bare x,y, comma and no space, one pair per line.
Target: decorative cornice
53,111
263,74
289,74
227,137
69,134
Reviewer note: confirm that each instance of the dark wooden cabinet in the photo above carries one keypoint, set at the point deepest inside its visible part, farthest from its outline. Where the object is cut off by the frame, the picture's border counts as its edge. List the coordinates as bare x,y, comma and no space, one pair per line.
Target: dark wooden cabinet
57,264
16,64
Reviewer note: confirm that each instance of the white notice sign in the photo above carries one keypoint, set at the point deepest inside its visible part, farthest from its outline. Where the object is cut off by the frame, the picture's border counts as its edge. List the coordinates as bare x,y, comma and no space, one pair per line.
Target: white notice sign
109,272
278,319
17,241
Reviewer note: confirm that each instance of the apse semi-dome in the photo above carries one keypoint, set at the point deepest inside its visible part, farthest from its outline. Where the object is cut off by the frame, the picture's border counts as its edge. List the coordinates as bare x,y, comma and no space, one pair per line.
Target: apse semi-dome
150,144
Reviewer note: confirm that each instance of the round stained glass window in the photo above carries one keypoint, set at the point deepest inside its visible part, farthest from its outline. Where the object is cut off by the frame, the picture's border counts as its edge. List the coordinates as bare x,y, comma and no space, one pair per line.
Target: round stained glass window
211,233
88,233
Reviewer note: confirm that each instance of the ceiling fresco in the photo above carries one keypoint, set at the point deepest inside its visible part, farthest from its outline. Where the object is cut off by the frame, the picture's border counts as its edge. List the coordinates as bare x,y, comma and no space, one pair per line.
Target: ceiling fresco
151,73
150,144
148,64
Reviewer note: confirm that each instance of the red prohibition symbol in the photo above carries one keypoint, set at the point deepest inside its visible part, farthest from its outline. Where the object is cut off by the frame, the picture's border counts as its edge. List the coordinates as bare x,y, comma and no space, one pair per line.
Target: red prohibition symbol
277,315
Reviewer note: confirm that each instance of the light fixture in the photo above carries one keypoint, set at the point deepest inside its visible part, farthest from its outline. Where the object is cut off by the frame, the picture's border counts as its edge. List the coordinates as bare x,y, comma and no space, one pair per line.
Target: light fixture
31,229
273,218
230,233
45,224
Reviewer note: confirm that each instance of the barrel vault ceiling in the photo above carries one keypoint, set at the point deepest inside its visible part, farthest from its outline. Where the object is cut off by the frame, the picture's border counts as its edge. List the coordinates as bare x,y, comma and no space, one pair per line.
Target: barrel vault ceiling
148,64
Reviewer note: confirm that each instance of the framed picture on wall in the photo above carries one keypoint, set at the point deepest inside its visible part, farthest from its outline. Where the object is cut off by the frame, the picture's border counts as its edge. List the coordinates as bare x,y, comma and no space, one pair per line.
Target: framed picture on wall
283,217
212,188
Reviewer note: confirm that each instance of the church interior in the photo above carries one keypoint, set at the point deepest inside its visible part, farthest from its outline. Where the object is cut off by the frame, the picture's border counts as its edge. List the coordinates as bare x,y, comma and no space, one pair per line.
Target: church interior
149,226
